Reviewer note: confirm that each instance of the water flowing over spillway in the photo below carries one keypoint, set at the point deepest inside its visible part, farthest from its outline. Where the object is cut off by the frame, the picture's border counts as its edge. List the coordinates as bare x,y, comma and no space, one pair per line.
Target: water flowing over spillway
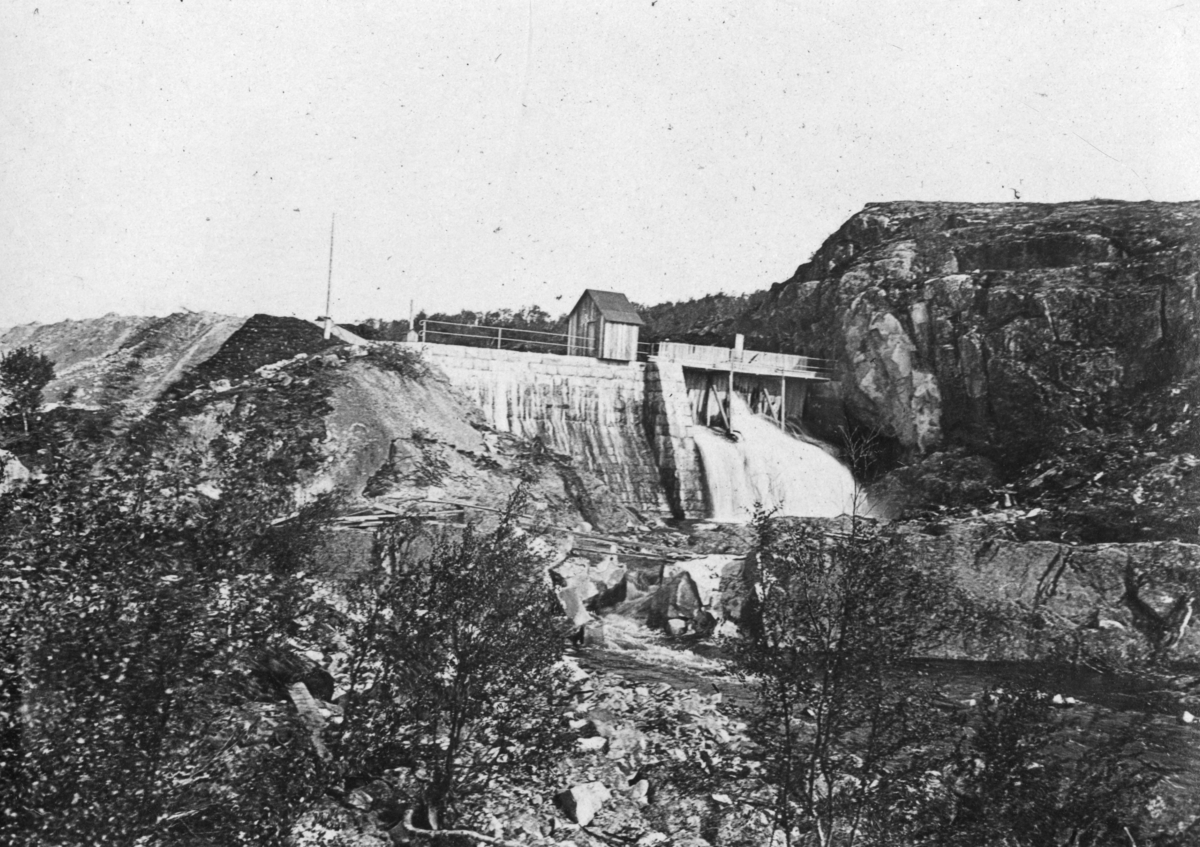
768,466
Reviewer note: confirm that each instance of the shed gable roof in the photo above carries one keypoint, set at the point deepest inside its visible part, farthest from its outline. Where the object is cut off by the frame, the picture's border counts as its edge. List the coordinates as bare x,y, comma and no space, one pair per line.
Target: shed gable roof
614,306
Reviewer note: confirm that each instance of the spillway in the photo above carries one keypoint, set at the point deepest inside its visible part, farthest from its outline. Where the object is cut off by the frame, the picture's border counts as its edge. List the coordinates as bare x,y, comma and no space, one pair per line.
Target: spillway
768,466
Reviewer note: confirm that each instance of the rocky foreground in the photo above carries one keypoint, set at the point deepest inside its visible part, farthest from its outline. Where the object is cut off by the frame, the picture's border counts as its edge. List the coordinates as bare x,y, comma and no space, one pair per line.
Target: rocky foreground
643,754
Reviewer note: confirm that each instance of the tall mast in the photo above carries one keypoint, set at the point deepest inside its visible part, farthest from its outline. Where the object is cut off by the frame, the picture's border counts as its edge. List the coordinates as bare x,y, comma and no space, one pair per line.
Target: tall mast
329,282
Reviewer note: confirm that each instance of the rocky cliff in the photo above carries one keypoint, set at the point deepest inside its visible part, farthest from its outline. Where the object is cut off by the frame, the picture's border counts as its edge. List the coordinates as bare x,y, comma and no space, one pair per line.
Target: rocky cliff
1055,346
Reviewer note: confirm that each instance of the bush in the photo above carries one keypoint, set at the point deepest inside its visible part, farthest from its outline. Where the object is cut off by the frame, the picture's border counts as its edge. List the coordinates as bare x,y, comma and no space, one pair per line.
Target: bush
454,677
129,600
847,741
390,357
860,751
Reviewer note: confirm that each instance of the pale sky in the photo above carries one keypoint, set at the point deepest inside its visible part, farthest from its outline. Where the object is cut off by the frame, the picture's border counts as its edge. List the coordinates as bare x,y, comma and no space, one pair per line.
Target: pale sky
162,155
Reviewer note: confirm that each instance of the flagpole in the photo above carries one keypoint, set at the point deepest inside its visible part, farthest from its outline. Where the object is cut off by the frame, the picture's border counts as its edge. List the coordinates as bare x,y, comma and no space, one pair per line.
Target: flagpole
329,282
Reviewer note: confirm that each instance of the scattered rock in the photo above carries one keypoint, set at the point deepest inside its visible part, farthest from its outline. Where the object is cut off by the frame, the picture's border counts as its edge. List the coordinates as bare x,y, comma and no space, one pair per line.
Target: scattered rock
701,591
529,825
581,803
573,606
726,629
593,634
676,626
1187,717
306,707
12,472
209,490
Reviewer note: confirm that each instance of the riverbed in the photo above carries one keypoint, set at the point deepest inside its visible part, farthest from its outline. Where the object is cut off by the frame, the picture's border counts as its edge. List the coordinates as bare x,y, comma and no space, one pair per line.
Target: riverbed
1102,702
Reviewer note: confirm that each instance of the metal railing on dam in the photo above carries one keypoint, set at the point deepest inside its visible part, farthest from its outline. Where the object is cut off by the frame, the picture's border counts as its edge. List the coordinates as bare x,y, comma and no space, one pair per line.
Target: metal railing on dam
695,356
497,337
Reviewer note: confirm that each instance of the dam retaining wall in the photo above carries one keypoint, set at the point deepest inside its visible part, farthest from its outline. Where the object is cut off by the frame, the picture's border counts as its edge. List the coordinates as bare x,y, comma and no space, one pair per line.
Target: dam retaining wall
669,426
628,423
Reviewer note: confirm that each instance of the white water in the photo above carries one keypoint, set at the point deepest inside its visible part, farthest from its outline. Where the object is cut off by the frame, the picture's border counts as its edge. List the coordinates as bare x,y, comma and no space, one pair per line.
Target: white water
769,467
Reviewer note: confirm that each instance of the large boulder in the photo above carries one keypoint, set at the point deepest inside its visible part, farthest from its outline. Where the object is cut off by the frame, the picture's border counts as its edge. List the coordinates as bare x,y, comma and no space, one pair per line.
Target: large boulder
580,803
12,472
696,595
581,584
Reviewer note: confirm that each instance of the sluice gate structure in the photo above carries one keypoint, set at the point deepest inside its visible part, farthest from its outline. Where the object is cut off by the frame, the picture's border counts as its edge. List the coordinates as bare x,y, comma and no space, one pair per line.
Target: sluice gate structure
773,385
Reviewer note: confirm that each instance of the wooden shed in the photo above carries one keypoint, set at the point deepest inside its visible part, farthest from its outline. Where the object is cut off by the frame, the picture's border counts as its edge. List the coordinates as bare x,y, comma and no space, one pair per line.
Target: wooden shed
604,324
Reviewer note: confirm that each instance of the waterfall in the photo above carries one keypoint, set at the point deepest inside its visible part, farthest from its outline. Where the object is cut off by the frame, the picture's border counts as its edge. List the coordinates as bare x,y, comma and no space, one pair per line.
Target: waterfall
768,466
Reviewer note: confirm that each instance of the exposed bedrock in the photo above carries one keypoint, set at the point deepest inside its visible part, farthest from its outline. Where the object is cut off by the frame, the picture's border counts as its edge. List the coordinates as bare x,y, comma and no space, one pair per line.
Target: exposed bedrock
1066,601
954,324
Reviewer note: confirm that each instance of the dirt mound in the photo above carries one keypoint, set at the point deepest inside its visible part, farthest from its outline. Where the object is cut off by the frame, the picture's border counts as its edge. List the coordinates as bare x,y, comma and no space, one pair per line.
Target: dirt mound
260,340
118,360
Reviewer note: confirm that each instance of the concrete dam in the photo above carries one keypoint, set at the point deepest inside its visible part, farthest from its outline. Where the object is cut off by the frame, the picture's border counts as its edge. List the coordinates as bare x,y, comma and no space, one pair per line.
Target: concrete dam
686,434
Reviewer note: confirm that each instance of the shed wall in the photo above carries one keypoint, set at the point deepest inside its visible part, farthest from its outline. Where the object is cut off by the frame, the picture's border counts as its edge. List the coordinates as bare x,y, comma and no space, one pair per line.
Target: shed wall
620,341
583,326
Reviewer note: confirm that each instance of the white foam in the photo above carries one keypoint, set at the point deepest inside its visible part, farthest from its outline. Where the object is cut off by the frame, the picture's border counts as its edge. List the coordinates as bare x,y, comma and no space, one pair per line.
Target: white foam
768,466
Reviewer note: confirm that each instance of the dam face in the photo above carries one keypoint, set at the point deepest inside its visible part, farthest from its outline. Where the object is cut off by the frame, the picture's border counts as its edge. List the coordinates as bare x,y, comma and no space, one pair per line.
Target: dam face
634,425
609,417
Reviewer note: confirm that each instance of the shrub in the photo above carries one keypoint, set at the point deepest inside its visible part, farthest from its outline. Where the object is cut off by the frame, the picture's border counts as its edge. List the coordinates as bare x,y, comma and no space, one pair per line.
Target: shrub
847,742
858,751
400,360
129,600
24,372
454,677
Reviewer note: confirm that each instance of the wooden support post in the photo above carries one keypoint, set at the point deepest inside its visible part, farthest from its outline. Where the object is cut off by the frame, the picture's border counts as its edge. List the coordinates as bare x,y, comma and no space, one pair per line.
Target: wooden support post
725,418
499,336
710,389
782,402
729,420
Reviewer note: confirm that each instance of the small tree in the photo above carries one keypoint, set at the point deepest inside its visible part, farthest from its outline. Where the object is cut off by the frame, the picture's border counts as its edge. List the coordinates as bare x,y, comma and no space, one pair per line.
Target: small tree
24,372
455,674
833,613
